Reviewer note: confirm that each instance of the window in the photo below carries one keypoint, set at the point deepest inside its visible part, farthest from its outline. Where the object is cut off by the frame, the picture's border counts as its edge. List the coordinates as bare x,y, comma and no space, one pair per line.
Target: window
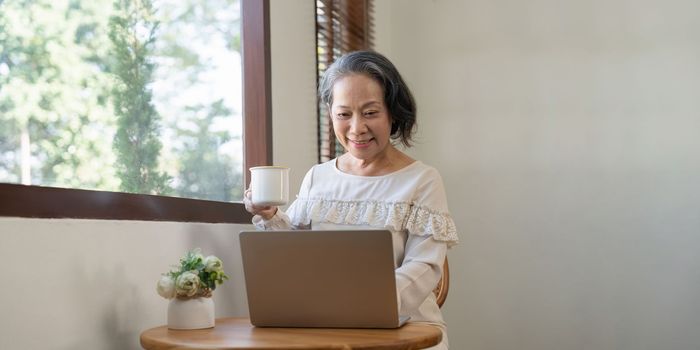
342,26
34,201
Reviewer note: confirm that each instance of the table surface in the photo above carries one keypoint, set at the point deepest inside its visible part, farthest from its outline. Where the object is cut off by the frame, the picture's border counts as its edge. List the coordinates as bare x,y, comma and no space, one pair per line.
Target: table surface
238,333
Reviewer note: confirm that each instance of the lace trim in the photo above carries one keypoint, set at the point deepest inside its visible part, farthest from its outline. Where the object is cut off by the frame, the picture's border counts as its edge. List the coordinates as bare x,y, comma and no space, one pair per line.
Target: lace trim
397,216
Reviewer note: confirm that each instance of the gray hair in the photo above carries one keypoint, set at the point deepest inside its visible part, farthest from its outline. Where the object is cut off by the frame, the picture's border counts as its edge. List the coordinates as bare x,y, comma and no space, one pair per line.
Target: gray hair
397,96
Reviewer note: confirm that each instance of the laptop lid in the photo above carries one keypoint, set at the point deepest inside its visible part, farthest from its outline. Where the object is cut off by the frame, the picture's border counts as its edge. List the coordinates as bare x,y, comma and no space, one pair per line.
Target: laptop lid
337,279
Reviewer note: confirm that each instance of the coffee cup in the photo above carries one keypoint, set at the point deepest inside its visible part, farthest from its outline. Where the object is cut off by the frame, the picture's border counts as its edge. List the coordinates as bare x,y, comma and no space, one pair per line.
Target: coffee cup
269,185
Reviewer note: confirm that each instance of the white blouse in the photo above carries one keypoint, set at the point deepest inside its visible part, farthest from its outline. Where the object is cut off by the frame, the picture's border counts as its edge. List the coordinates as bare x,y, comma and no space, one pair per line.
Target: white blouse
410,202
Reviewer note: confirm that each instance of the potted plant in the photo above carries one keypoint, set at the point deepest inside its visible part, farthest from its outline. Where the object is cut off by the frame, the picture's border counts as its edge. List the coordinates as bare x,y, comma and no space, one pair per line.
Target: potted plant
189,288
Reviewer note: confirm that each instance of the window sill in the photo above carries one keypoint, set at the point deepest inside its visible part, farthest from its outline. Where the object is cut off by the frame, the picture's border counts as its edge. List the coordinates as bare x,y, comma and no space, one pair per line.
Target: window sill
50,202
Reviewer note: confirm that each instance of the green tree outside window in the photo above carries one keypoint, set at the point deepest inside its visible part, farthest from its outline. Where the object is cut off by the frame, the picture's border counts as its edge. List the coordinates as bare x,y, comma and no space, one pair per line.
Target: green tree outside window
81,108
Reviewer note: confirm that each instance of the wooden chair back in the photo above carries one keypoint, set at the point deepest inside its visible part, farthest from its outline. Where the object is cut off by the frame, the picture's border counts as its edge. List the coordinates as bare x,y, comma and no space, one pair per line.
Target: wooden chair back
443,285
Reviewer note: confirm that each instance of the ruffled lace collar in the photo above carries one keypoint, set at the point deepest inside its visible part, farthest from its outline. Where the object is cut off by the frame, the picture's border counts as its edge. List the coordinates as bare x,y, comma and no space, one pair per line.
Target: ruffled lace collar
397,216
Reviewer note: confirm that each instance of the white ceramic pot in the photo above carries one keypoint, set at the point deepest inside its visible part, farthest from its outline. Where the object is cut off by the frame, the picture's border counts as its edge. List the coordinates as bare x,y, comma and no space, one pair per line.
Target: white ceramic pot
195,313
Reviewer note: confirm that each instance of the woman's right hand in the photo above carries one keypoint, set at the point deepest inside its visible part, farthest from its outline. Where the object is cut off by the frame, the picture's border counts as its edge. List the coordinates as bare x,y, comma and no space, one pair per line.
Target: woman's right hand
267,212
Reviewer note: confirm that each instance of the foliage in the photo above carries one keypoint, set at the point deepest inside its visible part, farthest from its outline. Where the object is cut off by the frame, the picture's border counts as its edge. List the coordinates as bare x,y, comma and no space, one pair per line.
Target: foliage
66,88
203,168
132,32
200,145
196,276
54,94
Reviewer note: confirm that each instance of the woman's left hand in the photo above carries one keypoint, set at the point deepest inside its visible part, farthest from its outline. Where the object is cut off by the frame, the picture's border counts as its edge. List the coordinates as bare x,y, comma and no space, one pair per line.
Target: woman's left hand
267,212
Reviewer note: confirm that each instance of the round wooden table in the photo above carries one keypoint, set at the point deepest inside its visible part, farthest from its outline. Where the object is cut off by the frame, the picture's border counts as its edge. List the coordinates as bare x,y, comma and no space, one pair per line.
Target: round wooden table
238,333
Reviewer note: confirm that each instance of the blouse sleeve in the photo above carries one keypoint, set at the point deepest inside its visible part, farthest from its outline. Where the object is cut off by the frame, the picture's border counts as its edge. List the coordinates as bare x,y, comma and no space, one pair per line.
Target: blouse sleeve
419,272
429,215
278,222
431,231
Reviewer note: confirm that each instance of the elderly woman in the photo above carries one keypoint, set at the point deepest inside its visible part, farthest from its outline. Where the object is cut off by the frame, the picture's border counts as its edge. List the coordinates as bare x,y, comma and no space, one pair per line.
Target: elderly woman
374,184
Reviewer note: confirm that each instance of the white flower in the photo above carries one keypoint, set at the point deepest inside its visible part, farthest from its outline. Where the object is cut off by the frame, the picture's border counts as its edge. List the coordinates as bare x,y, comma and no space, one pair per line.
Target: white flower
213,264
166,287
196,276
187,284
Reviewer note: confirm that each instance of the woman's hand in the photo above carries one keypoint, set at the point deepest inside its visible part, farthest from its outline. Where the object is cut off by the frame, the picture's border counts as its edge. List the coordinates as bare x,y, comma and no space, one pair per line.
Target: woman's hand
267,212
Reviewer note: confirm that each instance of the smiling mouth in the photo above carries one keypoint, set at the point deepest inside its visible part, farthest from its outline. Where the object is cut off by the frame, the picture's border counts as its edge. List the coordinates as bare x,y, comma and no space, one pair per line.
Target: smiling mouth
358,142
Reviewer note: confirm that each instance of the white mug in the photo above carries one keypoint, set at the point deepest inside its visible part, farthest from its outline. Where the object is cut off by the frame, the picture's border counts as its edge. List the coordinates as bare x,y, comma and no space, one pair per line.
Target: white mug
269,185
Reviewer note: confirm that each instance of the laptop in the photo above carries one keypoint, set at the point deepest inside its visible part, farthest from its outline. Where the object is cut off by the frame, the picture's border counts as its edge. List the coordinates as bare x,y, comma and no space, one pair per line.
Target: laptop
330,279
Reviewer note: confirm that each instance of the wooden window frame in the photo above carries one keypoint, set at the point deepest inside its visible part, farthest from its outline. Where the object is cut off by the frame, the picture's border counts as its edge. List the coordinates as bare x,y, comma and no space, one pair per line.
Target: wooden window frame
50,202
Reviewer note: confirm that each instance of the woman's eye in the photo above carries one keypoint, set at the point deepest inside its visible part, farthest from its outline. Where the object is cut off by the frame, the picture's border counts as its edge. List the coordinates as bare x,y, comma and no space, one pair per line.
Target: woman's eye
370,113
343,115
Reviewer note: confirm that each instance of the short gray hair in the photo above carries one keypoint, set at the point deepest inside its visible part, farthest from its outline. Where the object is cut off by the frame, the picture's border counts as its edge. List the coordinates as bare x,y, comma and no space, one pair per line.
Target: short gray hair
397,96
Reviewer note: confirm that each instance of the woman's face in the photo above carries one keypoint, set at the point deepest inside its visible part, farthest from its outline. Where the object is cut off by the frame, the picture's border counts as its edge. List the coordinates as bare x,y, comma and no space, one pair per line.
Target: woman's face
361,121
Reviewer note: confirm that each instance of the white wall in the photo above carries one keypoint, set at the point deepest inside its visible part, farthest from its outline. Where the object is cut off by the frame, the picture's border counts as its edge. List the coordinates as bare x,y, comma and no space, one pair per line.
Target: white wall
566,132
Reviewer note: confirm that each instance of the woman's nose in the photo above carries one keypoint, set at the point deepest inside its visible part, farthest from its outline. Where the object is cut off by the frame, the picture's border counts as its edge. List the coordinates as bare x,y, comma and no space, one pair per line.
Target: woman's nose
357,125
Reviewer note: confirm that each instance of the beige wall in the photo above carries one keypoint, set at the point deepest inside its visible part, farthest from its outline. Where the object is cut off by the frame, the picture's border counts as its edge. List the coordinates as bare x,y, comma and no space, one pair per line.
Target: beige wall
566,132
